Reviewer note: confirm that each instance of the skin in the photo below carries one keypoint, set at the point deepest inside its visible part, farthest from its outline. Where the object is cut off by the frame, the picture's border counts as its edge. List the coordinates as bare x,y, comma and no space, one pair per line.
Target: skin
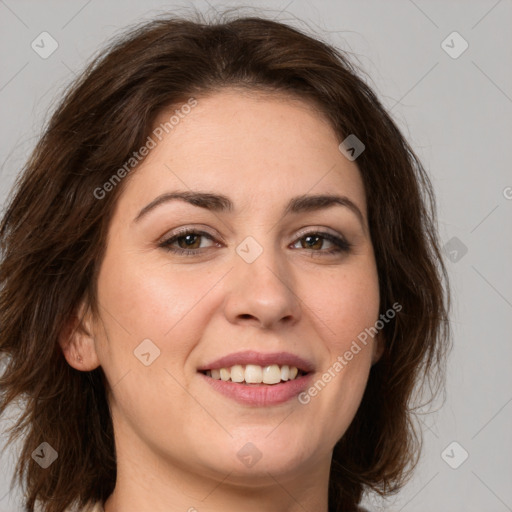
176,438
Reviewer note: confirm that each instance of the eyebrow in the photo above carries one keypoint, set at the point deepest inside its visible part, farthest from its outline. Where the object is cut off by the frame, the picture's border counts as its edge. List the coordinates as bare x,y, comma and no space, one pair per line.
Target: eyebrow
221,203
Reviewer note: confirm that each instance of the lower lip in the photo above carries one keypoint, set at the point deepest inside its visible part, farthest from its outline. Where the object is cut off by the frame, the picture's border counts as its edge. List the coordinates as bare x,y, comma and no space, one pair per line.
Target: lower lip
260,395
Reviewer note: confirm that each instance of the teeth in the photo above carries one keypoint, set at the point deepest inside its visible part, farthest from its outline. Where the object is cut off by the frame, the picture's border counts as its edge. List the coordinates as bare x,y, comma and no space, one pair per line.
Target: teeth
254,374
271,374
237,373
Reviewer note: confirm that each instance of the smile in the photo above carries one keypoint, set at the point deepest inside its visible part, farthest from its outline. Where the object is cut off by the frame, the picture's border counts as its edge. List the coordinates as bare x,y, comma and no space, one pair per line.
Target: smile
255,374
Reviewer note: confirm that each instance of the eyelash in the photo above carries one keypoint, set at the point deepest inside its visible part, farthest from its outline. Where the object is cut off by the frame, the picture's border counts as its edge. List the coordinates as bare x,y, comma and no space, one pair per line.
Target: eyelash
340,245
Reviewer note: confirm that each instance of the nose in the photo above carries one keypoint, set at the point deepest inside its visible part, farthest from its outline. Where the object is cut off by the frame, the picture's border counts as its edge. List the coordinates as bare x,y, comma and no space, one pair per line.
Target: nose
262,292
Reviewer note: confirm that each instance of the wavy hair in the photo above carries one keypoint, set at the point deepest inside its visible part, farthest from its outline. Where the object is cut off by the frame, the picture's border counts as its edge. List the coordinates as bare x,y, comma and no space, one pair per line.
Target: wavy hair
53,236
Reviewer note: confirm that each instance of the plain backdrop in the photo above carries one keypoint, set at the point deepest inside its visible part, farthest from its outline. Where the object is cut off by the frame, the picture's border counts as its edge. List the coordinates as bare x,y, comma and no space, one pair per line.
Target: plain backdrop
454,104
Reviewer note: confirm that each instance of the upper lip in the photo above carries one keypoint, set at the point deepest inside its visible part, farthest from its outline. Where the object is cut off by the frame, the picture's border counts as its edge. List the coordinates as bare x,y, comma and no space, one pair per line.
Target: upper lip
261,359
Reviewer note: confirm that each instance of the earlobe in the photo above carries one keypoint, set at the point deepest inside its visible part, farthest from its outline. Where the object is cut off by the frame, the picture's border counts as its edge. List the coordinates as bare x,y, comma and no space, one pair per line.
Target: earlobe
77,342
378,347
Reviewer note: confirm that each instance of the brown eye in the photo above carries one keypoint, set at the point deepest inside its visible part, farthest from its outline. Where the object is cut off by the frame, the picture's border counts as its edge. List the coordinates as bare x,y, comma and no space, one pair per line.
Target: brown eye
315,241
189,241
185,242
312,242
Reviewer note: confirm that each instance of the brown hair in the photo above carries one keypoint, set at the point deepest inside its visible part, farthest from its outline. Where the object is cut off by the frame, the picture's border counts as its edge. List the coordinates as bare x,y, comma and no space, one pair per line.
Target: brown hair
53,237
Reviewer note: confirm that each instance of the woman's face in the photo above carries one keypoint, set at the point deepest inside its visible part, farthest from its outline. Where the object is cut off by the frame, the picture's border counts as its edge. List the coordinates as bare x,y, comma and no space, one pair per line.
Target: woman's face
257,279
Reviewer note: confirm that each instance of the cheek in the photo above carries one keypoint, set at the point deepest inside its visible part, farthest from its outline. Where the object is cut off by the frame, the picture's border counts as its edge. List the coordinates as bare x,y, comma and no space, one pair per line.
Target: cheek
146,298
344,304
140,303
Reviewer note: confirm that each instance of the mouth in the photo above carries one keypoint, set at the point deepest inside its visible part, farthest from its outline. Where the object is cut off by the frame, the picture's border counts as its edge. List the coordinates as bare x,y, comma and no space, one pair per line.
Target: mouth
255,375
257,379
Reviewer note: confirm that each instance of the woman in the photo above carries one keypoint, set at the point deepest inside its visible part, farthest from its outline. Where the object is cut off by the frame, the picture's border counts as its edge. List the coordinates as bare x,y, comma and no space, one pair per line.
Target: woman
221,281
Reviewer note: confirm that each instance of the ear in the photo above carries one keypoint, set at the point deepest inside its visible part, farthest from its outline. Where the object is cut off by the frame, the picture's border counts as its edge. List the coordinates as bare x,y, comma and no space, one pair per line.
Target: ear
77,341
379,343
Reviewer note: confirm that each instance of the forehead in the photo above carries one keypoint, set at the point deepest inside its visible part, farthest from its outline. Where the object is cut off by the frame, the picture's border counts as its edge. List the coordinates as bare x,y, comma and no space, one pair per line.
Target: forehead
250,146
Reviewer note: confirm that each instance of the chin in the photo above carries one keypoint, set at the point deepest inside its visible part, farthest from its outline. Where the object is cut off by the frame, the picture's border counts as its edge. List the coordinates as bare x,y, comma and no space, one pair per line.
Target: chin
261,456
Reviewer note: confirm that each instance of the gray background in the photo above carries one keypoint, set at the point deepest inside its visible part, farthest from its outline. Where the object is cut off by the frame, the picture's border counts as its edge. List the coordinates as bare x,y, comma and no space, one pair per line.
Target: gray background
456,112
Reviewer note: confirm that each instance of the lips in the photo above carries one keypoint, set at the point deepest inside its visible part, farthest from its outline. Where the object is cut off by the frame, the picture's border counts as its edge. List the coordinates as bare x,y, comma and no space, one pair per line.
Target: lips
274,390
251,357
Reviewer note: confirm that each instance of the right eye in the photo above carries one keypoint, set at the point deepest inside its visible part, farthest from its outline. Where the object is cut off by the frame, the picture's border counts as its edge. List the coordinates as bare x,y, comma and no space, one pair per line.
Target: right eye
187,241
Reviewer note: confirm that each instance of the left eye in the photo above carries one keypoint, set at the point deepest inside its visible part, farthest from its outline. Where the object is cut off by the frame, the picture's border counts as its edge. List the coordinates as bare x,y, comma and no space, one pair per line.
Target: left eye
316,241
189,242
